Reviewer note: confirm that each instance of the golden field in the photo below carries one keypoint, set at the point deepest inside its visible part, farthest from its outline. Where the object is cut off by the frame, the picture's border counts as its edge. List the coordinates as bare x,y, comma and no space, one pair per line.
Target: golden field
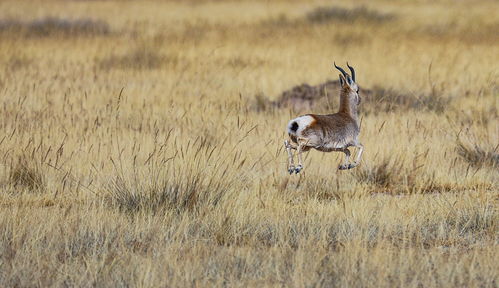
138,146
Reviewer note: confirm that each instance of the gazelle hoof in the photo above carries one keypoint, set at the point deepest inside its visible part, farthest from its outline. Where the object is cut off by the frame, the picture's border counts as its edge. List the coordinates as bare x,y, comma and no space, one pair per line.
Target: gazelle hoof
344,167
298,169
350,166
291,170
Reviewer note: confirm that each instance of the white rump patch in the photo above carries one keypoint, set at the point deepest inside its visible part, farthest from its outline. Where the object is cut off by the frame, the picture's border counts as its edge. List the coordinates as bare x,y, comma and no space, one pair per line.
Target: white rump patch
302,121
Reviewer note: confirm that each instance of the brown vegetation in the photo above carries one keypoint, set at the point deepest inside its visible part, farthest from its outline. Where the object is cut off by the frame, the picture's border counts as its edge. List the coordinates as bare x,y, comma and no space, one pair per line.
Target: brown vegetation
344,15
305,97
131,153
50,26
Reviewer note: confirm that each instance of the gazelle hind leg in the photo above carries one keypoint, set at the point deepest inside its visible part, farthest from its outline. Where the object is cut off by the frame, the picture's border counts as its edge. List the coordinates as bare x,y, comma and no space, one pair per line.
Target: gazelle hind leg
291,164
359,155
347,159
302,142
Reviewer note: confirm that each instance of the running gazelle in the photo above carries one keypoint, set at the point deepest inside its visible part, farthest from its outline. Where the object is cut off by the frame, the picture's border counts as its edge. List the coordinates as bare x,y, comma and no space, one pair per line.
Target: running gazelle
331,132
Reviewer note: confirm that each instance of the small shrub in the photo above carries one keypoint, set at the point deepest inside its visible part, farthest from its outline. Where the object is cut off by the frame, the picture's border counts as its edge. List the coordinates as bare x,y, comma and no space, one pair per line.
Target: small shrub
139,59
306,97
328,14
177,189
381,99
383,174
395,177
26,174
173,194
476,155
17,62
55,27
262,103
280,21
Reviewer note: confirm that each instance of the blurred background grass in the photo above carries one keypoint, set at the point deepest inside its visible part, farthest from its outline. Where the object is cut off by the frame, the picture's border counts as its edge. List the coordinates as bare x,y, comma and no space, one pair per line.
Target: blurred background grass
141,147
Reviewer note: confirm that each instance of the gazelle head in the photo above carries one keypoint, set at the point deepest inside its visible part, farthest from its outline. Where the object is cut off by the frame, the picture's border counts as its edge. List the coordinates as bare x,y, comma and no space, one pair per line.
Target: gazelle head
348,86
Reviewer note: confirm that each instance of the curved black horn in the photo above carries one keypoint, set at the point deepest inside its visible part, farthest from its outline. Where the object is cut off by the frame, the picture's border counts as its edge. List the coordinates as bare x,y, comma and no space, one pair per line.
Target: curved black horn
353,72
341,70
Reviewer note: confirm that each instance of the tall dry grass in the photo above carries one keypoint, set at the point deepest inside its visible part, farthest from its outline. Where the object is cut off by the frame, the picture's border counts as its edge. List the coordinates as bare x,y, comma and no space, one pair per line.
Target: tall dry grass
139,154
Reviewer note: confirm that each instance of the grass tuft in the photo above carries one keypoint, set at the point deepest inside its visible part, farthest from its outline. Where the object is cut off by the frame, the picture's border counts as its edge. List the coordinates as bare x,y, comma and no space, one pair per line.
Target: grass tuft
383,174
393,176
344,15
139,59
168,186
18,62
388,100
475,153
262,103
26,173
51,26
178,194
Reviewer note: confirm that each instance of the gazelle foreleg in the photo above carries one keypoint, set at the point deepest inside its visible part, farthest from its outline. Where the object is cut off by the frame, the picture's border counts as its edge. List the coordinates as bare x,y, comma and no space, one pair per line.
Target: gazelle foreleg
359,155
291,164
347,159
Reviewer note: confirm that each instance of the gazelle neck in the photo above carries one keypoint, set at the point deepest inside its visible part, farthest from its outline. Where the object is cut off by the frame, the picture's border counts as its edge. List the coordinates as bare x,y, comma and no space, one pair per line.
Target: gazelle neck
348,105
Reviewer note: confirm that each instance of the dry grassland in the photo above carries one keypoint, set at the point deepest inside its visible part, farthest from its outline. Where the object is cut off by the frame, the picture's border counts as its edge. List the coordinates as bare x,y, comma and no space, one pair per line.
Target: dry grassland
136,149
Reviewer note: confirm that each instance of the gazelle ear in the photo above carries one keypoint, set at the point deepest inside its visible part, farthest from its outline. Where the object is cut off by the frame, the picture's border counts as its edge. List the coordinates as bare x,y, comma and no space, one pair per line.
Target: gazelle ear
343,81
349,80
